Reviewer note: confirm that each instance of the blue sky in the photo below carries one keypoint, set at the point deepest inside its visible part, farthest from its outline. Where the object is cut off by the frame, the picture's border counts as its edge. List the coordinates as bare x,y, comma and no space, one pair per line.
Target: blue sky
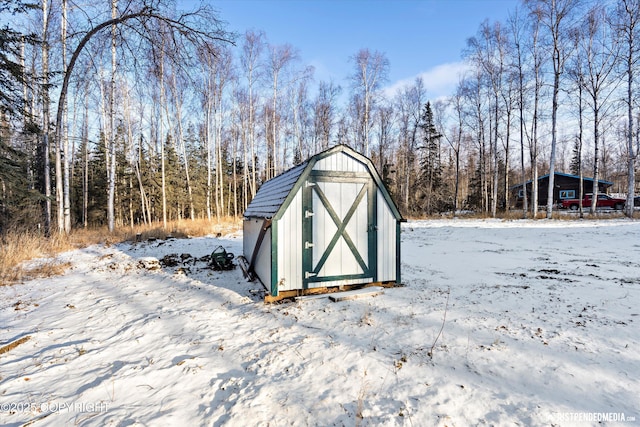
419,37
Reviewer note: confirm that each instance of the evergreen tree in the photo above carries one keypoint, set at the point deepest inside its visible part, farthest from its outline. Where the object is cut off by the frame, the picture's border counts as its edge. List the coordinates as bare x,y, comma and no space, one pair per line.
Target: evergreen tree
297,155
574,167
97,203
430,168
19,202
474,198
12,74
175,184
126,200
149,168
197,156
77,178
388,174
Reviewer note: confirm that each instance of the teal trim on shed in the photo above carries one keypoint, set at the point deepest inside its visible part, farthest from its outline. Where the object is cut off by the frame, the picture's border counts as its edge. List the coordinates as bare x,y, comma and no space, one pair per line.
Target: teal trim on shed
275,197
398,260
274,259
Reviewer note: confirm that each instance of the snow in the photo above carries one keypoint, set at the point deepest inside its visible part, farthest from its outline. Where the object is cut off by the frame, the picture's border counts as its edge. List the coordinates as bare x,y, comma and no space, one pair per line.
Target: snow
538,321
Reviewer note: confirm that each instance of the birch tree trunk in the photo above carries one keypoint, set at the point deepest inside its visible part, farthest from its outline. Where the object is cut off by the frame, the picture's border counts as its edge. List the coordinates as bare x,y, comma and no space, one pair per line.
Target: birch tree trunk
45,116
371,71
252,50
235,175
600,50
517,29
85,169
580,135
218,144
111,164
162,137
66,203
533,145
182,144
554,124
496,158
208,145
554,15
629,17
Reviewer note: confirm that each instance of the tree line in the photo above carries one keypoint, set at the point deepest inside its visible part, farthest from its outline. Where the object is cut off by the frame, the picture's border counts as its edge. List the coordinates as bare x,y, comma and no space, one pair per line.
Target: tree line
163,114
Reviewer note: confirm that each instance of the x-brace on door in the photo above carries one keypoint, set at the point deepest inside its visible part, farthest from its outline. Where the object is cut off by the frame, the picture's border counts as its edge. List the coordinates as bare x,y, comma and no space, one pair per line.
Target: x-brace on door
339,228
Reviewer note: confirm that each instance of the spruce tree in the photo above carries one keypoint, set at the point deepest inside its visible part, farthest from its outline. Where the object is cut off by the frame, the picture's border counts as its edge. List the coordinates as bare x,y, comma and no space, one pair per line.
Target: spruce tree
574,167
19,203
12,74
430,168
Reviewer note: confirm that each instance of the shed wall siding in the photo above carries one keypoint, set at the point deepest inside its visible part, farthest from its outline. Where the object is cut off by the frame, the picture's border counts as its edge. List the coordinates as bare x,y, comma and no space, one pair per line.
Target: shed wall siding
263,264
386,241
290,246
251,229
340,162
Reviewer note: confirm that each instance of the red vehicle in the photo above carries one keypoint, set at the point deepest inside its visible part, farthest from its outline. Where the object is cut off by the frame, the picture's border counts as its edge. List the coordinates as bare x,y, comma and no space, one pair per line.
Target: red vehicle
604,201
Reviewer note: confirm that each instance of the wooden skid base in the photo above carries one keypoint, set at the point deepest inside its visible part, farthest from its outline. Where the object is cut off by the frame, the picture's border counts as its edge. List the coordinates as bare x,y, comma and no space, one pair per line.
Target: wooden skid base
292,294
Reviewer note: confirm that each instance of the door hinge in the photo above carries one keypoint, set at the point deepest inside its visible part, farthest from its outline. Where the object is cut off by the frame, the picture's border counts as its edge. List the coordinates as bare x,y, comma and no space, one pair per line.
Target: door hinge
308,214
308,245
309,184
308,274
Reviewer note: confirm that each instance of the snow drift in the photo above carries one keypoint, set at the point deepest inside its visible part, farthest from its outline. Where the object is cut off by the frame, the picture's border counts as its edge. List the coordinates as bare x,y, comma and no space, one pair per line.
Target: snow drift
500,323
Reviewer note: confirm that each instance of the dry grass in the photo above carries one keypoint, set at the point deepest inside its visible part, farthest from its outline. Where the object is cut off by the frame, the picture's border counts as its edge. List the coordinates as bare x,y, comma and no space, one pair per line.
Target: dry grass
184,229
11,346
17,247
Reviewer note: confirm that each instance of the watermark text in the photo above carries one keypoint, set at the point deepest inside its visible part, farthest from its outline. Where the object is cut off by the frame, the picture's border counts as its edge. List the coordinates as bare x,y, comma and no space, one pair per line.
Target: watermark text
52,407
593,417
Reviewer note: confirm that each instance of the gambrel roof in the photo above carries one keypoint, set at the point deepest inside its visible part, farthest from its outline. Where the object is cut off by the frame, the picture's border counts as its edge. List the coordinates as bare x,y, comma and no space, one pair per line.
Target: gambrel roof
274,195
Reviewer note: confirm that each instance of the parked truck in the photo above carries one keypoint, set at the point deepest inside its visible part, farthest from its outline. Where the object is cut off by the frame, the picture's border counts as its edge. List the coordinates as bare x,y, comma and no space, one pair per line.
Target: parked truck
604,201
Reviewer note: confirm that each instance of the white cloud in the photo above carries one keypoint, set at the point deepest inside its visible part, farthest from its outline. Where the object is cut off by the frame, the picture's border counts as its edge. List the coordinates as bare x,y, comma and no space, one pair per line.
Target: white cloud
440,81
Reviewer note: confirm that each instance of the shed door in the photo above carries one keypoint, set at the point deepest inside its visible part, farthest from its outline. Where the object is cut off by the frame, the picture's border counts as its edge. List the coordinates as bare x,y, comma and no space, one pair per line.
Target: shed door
339,229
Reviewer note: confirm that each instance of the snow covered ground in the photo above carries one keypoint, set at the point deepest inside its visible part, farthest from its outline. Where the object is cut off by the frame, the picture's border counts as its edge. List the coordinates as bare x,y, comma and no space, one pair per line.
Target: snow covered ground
541,327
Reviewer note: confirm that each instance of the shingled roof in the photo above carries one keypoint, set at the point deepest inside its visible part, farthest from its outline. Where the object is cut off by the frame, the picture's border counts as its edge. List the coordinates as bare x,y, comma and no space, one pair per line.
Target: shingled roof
273,193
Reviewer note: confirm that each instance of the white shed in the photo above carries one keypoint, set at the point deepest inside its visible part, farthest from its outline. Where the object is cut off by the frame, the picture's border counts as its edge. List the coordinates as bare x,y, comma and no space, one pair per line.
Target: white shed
328,222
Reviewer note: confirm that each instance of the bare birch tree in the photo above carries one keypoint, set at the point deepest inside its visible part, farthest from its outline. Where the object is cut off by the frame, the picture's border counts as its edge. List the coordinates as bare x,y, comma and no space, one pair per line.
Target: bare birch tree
627,24
555,16
250,59
408,103
538,82
488,52
600,50
371,71
63,152
576,74
279,58
196,27
111,158
454,138
518,34
45,116
324,114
